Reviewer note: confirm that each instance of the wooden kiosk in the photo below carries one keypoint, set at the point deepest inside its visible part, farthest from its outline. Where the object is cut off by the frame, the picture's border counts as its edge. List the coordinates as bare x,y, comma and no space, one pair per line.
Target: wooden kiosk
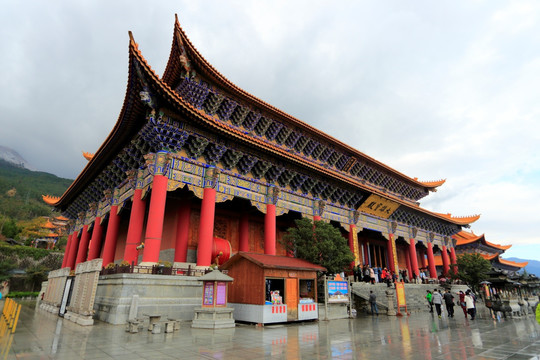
272,289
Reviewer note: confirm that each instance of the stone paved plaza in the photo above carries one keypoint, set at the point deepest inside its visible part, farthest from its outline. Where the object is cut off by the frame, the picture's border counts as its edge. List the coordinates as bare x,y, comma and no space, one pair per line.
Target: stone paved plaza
41,335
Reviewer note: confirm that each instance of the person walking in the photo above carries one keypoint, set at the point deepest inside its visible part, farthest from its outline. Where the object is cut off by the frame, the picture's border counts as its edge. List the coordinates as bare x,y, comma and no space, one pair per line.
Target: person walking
469,303
462,303
437,300
429,296
373,303
366,273
449,302
372,275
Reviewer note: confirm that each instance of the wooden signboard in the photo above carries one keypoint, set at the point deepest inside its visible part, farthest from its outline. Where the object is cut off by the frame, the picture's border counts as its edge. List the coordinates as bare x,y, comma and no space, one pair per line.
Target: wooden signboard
401,301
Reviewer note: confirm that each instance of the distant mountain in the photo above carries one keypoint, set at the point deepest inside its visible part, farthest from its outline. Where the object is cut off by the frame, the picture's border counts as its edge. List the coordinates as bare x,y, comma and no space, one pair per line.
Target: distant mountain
13,157
21,189
533,267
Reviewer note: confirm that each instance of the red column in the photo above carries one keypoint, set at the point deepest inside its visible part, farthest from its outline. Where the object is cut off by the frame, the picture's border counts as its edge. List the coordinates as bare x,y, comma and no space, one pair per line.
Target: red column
182,231
366,253
95,242
206,227
390,250
445,261
66,251
431,261
156,215
414,258
453,259
270,230
408,261
243,243
316,218
82,252
109,248
73,250
135,227
352,229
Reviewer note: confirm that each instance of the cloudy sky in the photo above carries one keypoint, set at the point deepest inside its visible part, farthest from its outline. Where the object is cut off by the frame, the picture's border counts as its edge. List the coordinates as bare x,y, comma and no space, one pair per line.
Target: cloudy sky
437,90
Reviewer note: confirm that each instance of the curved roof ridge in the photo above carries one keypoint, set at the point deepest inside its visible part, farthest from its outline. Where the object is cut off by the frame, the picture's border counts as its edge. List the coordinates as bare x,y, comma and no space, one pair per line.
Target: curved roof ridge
433,183
51,200
463,220
226,83
513,263
114,133
498,246
88,156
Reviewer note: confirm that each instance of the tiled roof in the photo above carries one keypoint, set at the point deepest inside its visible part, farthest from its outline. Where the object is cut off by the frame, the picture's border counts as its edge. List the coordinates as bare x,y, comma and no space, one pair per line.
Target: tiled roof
126,120
273,262
222,81
465,237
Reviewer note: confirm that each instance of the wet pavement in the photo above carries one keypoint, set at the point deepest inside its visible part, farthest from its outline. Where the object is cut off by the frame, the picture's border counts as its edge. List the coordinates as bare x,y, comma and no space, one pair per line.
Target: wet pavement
41,335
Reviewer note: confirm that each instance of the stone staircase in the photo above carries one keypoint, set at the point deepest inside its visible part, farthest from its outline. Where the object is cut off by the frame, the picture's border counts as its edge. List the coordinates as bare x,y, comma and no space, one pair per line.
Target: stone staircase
415,295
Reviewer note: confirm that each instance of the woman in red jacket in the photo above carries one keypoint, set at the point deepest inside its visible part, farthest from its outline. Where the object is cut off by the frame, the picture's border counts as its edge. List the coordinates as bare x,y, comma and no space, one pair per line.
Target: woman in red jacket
462,302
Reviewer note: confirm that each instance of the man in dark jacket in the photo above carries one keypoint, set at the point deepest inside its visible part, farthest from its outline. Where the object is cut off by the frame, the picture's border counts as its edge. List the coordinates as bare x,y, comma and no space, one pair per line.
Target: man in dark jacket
373,303
449,302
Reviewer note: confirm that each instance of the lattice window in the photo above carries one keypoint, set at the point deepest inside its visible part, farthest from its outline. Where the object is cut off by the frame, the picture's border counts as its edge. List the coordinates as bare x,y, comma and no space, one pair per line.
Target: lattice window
231,158
340,163
307,185
214,152
333,158
226,109
273,130
273,173
299,146
262,125
212,102
239,115
421,221
297,181
326,154
337,195
317,152
260,169
327,193
292,139
283,134
193,92
246,163
286,178
251,121
310,146
195,146
319,188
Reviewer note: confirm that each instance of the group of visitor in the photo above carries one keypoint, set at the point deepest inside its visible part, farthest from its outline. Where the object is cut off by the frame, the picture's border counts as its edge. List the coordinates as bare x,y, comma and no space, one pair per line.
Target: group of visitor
373,275
467,301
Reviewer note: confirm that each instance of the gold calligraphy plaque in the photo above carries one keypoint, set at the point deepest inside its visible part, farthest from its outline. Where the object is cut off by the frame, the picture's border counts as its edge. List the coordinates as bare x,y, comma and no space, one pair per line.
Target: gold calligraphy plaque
378,206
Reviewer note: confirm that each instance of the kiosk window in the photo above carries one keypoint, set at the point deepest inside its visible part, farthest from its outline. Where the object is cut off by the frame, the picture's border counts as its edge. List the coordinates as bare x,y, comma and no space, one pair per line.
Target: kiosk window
307,289
275,290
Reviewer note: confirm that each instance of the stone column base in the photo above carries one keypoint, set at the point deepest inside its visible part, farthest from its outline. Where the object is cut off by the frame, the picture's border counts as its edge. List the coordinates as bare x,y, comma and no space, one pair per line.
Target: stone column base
213,318
84,320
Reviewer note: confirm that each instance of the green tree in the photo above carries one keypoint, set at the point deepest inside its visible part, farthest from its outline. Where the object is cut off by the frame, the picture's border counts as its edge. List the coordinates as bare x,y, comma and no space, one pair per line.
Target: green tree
319,243
35,275
472,269
10,229
5,267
